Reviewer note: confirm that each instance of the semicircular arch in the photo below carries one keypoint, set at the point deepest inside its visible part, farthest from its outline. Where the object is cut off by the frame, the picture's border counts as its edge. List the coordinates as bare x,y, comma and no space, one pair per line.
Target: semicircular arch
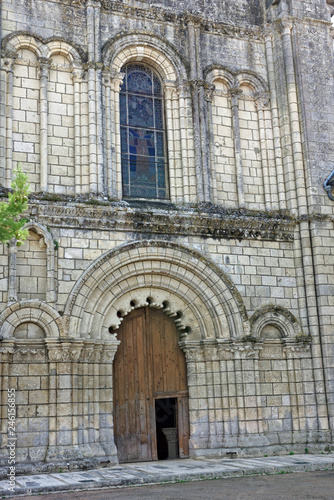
145,48
178,279
31,311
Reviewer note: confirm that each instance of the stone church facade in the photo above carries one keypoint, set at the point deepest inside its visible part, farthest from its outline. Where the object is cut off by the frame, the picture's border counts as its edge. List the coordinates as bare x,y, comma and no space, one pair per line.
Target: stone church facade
177,154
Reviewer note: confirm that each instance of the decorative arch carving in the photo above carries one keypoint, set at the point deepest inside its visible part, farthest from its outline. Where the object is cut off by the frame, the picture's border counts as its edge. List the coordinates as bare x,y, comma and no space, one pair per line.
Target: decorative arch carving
210,305
277,316
31,311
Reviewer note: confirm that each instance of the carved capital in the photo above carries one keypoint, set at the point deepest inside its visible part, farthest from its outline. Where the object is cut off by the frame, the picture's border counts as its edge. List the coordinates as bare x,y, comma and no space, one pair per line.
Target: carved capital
77,75
44,65
262,100
208,91
284,25
235,92
64,352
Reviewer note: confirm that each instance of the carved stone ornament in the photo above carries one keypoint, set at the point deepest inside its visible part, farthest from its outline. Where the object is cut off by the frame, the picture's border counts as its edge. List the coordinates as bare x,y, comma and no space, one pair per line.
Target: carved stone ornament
6,353
194,355
25,354
297,350
209,90
64,354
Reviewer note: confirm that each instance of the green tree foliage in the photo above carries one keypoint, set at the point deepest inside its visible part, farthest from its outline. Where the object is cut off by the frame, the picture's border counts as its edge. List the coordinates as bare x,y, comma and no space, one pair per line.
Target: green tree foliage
11,220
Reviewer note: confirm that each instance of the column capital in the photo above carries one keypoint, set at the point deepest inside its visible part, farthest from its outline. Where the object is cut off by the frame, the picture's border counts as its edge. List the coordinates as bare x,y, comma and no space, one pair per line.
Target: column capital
262,100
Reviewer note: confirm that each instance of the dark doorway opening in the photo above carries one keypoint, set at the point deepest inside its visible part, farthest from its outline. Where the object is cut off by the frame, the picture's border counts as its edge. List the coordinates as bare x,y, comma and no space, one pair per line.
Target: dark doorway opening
167,431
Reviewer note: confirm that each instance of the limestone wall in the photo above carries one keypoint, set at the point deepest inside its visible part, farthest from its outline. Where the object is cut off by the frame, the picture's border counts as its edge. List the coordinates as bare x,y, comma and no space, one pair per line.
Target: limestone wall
240,255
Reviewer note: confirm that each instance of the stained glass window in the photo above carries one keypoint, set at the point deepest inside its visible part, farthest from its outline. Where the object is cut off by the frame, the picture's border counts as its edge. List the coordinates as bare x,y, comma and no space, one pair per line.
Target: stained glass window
144,167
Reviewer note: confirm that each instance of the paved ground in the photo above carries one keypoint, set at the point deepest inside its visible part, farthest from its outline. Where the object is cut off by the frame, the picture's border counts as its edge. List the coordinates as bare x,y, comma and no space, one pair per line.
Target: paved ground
170,471
291,486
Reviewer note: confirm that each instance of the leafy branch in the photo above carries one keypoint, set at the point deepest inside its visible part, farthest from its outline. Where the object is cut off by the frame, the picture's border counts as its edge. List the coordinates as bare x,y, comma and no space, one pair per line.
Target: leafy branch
11,220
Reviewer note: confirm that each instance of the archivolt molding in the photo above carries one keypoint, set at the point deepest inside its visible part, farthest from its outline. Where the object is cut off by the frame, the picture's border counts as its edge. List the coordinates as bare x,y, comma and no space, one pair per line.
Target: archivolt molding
278,316
44,49
174,278
236,79
146,48
32,311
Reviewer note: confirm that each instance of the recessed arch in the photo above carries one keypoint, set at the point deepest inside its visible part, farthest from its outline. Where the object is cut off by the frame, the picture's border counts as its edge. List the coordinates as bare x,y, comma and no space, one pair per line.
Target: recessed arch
169,273
279,317
31,311
149,49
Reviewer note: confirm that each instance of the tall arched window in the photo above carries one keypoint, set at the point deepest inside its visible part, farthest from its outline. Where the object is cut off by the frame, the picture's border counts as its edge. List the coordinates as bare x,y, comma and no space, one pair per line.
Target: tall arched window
144,166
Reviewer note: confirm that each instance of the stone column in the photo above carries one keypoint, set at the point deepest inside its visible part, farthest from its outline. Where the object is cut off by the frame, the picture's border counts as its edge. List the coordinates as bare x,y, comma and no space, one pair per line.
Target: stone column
77,76
235,93
184,142
44,73
305,234
195,76
116,176
7,61
9,67
62,407
106,428
209,90
262,102
275,120
169,91
12,283
106,78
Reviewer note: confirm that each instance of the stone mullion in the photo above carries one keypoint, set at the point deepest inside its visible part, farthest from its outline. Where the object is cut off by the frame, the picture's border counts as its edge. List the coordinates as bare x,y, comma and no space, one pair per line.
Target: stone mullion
170,141
179,188
235,94
275,123
43,97
184,145
9,122
267,188
76,76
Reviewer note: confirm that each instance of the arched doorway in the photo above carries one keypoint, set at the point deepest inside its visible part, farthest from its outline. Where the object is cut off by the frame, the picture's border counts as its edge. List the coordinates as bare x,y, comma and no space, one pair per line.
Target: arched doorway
150,389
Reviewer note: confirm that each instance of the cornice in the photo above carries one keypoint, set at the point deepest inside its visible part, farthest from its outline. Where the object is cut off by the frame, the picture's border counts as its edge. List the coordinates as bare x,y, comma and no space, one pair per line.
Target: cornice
205,222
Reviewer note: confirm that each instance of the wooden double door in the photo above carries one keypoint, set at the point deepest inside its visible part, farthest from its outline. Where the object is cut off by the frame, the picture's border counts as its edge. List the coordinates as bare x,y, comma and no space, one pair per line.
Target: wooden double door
150,389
